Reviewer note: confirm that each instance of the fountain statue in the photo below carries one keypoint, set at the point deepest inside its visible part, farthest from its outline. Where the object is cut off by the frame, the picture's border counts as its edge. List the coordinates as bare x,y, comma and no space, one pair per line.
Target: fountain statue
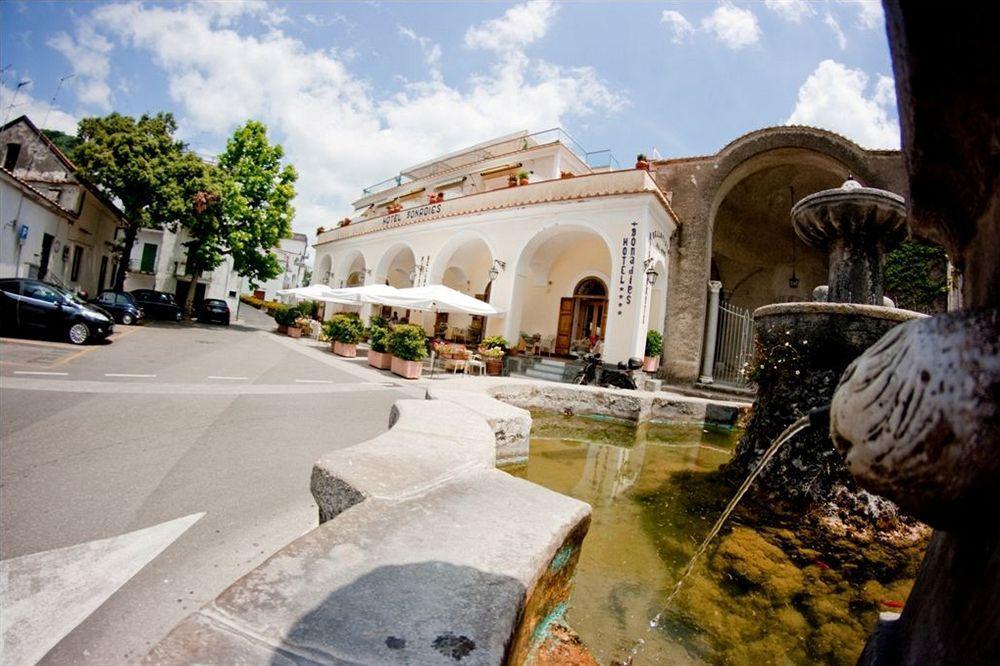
803,348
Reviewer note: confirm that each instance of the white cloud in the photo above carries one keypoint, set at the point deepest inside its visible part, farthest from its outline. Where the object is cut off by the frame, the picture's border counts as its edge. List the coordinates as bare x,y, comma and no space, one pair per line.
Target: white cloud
832,23
870,14
24,104
736,28
834,98
680,27
519,26
88,55
340,132
790,10
431,50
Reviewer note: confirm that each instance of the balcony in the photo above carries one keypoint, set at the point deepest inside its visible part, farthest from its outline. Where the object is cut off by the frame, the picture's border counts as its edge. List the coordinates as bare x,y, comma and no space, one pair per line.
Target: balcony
609,183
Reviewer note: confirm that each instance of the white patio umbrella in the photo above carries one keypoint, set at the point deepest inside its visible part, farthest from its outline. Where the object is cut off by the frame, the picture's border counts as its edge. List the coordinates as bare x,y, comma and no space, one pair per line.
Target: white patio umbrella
437,298
314,292
369,293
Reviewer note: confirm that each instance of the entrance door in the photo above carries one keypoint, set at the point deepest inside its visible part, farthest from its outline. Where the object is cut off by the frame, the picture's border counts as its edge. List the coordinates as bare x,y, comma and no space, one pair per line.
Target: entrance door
43,260
564,333
103,274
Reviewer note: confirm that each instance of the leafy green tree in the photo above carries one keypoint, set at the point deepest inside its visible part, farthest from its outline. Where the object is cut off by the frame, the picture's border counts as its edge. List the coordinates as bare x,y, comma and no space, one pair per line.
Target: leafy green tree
67,143
133,161
916,277
257,200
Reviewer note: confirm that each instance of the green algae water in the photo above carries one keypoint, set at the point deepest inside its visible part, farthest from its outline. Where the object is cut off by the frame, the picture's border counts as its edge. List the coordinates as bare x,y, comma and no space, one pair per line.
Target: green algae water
775,591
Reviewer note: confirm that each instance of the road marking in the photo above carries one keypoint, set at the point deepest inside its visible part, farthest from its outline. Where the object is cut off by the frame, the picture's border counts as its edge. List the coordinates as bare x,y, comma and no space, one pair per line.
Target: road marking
313,381
46,595
125,374
224,377
39,372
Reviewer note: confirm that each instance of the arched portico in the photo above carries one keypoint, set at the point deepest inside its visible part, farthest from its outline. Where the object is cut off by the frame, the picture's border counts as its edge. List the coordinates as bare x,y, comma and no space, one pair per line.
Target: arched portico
324,271
463,263
396,267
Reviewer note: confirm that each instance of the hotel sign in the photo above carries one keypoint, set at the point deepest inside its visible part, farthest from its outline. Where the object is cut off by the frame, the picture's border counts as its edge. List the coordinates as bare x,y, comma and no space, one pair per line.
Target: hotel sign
413,214
626,275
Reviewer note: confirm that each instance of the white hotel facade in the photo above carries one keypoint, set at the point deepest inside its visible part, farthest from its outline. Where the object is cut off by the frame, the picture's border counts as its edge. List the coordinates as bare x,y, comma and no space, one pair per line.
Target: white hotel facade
577,250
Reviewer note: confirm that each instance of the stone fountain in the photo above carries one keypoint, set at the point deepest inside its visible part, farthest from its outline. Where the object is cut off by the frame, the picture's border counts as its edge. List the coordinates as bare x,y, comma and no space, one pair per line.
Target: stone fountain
803,349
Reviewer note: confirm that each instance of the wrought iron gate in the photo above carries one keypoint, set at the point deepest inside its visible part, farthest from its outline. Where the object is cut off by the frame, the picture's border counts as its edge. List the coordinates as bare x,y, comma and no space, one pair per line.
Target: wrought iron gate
733,346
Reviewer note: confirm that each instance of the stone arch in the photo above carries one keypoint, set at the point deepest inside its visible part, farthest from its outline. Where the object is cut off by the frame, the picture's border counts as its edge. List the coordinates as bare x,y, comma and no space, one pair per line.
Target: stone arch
324,270
470,252
396,265
351,269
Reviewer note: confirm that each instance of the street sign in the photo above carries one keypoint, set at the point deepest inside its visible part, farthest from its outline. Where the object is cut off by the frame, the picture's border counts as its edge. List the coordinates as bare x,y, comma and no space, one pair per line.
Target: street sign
22,234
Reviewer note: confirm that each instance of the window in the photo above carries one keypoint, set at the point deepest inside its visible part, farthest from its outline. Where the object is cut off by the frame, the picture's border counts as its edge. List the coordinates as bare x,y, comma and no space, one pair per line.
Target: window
74,271
148,263
107,297
124,299
10,157
41,292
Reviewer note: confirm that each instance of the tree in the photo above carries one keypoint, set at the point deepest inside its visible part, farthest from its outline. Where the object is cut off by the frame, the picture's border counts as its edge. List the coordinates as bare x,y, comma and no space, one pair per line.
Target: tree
132,160
257,200
916,277
66,143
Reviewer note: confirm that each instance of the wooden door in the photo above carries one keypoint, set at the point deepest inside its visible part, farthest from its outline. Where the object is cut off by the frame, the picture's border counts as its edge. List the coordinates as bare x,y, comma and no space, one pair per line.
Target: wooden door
564,332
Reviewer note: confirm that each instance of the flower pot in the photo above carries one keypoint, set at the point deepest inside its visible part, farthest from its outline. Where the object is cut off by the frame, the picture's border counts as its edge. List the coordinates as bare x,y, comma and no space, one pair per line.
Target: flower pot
294,332
494,366
282,329
380,360
512,183
523,181
650,363
406,369
344,349
642,164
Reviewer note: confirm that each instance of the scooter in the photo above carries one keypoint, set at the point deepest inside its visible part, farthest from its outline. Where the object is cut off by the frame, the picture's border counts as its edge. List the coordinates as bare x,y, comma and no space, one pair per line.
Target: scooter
595,372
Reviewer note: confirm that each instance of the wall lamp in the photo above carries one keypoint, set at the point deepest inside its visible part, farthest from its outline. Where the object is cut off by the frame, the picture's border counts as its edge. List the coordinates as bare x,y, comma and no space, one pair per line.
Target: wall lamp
497,268
651,273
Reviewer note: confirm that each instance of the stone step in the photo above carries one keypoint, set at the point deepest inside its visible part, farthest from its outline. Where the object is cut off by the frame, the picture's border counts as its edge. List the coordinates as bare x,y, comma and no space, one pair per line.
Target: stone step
536,373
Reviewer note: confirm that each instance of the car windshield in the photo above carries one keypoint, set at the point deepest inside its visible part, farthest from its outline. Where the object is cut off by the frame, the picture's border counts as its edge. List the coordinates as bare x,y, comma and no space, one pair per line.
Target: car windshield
67,295
214,301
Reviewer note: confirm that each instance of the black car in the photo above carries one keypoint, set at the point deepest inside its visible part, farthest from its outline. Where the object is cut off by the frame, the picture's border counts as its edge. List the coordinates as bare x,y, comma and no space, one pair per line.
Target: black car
39,308
158,304
121,305
214,309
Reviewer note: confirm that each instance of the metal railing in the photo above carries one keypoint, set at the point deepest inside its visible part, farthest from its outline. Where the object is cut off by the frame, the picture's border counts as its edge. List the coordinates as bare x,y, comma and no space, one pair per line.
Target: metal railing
733,347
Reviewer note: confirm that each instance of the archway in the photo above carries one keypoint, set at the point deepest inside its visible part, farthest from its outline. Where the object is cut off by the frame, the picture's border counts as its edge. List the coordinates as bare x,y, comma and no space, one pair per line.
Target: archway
324,271
396,267
463,264
552,267
356,271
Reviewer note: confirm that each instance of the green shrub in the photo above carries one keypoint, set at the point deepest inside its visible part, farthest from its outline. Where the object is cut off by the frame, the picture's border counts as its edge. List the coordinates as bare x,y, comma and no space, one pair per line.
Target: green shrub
286,315
654,343
407,342
308,308
377,332
344,328
495,341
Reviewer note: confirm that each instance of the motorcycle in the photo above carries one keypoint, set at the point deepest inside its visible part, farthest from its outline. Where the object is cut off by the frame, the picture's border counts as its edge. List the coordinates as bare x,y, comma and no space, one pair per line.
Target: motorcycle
595,372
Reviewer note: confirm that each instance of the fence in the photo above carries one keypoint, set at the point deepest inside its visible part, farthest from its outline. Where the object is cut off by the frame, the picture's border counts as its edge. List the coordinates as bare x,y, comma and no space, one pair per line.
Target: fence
733,347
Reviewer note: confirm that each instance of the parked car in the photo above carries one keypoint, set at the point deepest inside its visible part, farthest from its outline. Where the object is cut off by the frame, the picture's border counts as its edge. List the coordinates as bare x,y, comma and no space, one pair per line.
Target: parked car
158,304
122,306
214,309
33,307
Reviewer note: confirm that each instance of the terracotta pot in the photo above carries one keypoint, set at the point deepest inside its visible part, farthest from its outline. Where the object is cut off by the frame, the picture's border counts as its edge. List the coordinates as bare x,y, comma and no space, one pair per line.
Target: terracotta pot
650,363
344,349
406,369
642,164
282,328
294,332
380,360
512,183
494,366
523,181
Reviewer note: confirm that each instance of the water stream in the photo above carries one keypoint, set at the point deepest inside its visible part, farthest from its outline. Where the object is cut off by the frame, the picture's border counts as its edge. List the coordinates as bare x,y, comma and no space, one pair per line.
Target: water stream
789,432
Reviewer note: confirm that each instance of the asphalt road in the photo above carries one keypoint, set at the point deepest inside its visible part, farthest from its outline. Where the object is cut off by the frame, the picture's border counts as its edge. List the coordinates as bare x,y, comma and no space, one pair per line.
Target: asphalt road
112,453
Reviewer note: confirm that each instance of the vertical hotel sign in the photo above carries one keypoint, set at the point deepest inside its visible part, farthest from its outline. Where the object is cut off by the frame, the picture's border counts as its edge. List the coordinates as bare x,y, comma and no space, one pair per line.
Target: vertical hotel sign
626,276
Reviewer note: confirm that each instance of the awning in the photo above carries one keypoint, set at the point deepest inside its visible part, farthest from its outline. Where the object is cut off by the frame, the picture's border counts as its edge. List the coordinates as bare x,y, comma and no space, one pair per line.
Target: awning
437,298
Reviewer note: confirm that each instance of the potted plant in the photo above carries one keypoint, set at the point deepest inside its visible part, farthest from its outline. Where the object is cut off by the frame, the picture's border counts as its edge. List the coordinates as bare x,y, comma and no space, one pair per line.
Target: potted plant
407,343
378,332
494,360
566,174
303,326
285,316
654,347
439,198
512,180
320,230
344,331
522,178
641,162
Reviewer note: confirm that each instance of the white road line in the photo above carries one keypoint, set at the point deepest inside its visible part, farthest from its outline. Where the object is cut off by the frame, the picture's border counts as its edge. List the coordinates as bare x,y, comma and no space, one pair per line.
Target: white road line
34,372
224,377
313,381
124,374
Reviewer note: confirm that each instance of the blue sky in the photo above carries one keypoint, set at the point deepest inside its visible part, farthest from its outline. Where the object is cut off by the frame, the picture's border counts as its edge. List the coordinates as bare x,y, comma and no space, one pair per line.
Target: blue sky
357,91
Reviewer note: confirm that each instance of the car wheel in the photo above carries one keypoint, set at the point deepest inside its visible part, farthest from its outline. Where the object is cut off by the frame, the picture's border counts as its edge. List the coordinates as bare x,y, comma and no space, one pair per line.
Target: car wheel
127,319
78,333
178,316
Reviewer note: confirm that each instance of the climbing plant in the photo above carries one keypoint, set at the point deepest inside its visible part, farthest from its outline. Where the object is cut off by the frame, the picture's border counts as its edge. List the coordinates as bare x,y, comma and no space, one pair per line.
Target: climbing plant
916,277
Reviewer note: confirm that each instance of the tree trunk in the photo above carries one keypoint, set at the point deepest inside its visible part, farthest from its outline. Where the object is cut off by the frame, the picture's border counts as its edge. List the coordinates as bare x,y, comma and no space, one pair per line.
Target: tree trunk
122,270
192,288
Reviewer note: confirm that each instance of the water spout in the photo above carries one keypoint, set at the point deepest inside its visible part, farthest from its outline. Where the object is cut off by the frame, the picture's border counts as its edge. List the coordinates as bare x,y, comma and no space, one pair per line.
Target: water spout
818,418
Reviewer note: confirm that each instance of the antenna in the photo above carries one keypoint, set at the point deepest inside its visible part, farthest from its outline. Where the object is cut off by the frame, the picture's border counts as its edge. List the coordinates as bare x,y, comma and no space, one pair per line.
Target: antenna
17,91
45,118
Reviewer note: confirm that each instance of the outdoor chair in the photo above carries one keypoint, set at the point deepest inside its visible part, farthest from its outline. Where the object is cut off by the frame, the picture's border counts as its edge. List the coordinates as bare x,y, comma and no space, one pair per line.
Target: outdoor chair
475,362
545,347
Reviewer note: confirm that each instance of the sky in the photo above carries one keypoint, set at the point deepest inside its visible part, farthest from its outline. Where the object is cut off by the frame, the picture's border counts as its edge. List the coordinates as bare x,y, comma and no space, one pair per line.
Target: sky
357,91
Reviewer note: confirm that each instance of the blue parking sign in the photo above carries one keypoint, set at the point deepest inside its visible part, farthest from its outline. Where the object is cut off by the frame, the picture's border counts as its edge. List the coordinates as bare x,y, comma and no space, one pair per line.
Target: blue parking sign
22,233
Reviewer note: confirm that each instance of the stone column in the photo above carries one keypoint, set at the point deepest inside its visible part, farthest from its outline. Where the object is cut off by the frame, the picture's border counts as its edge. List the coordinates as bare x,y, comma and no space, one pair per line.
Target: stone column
711,329
856,274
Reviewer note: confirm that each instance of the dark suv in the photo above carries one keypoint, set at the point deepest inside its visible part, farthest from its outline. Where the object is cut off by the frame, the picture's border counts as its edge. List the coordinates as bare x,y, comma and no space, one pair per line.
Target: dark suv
39,308
121,305
214,309
158,304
